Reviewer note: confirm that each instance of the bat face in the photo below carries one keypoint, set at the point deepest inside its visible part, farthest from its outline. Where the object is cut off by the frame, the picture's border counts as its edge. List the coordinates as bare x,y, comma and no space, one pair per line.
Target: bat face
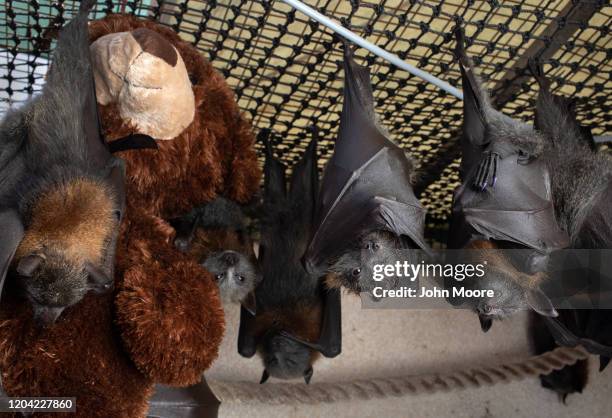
52,283
227,254
284,358
513,289
235,274
352,269
508,298
68,247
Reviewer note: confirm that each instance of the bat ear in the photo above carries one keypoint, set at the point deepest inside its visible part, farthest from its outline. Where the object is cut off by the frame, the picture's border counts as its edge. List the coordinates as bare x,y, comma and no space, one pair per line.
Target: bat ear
29,264
603,363
274,171
535,67
264,377
308,375
474,97
99,281
485,322
539,302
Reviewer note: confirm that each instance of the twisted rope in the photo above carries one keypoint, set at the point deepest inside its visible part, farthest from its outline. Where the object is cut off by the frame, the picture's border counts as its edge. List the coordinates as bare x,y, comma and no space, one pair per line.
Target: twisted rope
286,393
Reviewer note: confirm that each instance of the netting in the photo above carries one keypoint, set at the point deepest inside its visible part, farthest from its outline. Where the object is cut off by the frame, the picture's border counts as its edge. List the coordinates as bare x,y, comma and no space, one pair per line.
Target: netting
286,69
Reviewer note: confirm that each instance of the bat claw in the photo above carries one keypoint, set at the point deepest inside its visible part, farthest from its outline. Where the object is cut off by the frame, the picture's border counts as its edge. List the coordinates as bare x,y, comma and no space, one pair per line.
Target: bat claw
486,175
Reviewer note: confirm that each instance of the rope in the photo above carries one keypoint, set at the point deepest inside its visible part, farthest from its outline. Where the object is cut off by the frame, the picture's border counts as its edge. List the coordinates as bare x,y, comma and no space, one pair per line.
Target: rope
293,393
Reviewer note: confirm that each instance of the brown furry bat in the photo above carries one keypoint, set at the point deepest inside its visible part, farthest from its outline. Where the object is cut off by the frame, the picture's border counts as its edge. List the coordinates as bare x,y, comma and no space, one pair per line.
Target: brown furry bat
64,184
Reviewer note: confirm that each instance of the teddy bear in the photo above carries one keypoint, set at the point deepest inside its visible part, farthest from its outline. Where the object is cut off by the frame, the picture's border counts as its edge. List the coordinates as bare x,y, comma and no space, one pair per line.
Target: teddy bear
163,322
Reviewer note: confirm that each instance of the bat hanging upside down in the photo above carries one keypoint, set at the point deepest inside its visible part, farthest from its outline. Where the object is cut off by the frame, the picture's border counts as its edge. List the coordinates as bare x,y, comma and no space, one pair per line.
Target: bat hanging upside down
216,235
367,209
297,317
61,191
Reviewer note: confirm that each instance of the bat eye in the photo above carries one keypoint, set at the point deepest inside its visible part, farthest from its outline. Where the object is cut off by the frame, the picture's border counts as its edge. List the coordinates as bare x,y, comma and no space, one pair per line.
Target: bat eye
356,272
219,276
240,278
523,157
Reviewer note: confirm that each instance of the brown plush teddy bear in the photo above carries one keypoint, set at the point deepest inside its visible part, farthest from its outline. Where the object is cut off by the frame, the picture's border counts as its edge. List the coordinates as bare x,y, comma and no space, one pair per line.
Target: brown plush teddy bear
164,322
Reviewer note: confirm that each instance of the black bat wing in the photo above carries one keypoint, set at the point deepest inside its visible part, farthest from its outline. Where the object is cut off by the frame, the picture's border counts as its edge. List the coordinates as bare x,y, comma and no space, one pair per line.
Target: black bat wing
12,234
247,342
196,401
304,185
565,337
250,303
330,341
275,195
275,187
366,169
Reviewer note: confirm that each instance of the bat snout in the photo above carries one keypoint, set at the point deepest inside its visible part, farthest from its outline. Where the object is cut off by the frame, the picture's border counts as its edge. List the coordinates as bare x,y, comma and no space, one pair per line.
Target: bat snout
230,258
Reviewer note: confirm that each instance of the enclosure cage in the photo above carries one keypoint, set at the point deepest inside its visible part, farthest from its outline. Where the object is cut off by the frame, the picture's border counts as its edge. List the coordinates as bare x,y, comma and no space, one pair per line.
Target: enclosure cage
286,69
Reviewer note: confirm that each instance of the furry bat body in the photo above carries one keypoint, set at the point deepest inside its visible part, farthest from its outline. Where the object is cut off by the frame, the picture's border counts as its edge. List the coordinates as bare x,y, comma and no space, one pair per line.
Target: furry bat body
367,208
59,183
582,204
504,202
216,235
297,317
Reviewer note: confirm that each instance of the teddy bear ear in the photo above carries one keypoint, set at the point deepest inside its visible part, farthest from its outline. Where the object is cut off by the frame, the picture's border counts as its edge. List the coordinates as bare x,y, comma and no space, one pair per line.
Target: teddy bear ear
153,43
143,75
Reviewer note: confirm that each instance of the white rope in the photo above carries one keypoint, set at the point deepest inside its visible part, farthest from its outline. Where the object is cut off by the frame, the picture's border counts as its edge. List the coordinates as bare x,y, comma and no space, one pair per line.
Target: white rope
393,59
294,393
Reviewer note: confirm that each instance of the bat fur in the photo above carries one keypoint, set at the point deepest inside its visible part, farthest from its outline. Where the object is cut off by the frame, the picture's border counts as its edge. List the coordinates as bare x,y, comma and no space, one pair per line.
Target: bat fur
67,209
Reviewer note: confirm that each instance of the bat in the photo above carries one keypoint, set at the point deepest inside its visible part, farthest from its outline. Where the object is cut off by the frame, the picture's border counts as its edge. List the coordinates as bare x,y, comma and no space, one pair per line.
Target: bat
61,191
367,206
297,317
504,202
569,379
216,235
550,108
583,205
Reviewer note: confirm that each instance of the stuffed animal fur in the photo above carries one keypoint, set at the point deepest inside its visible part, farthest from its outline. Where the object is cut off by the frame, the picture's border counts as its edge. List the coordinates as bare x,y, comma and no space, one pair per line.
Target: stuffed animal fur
164,322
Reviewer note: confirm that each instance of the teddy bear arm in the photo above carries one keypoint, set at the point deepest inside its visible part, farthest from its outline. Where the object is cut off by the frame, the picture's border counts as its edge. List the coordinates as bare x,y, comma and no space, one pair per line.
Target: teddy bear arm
168,308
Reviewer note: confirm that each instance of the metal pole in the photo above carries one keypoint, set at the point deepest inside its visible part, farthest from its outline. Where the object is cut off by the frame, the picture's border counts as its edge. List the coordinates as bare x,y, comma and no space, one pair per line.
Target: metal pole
393,59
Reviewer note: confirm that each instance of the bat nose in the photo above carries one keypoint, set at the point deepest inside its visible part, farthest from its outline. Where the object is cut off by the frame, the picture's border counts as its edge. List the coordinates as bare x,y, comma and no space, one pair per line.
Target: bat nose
230,257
